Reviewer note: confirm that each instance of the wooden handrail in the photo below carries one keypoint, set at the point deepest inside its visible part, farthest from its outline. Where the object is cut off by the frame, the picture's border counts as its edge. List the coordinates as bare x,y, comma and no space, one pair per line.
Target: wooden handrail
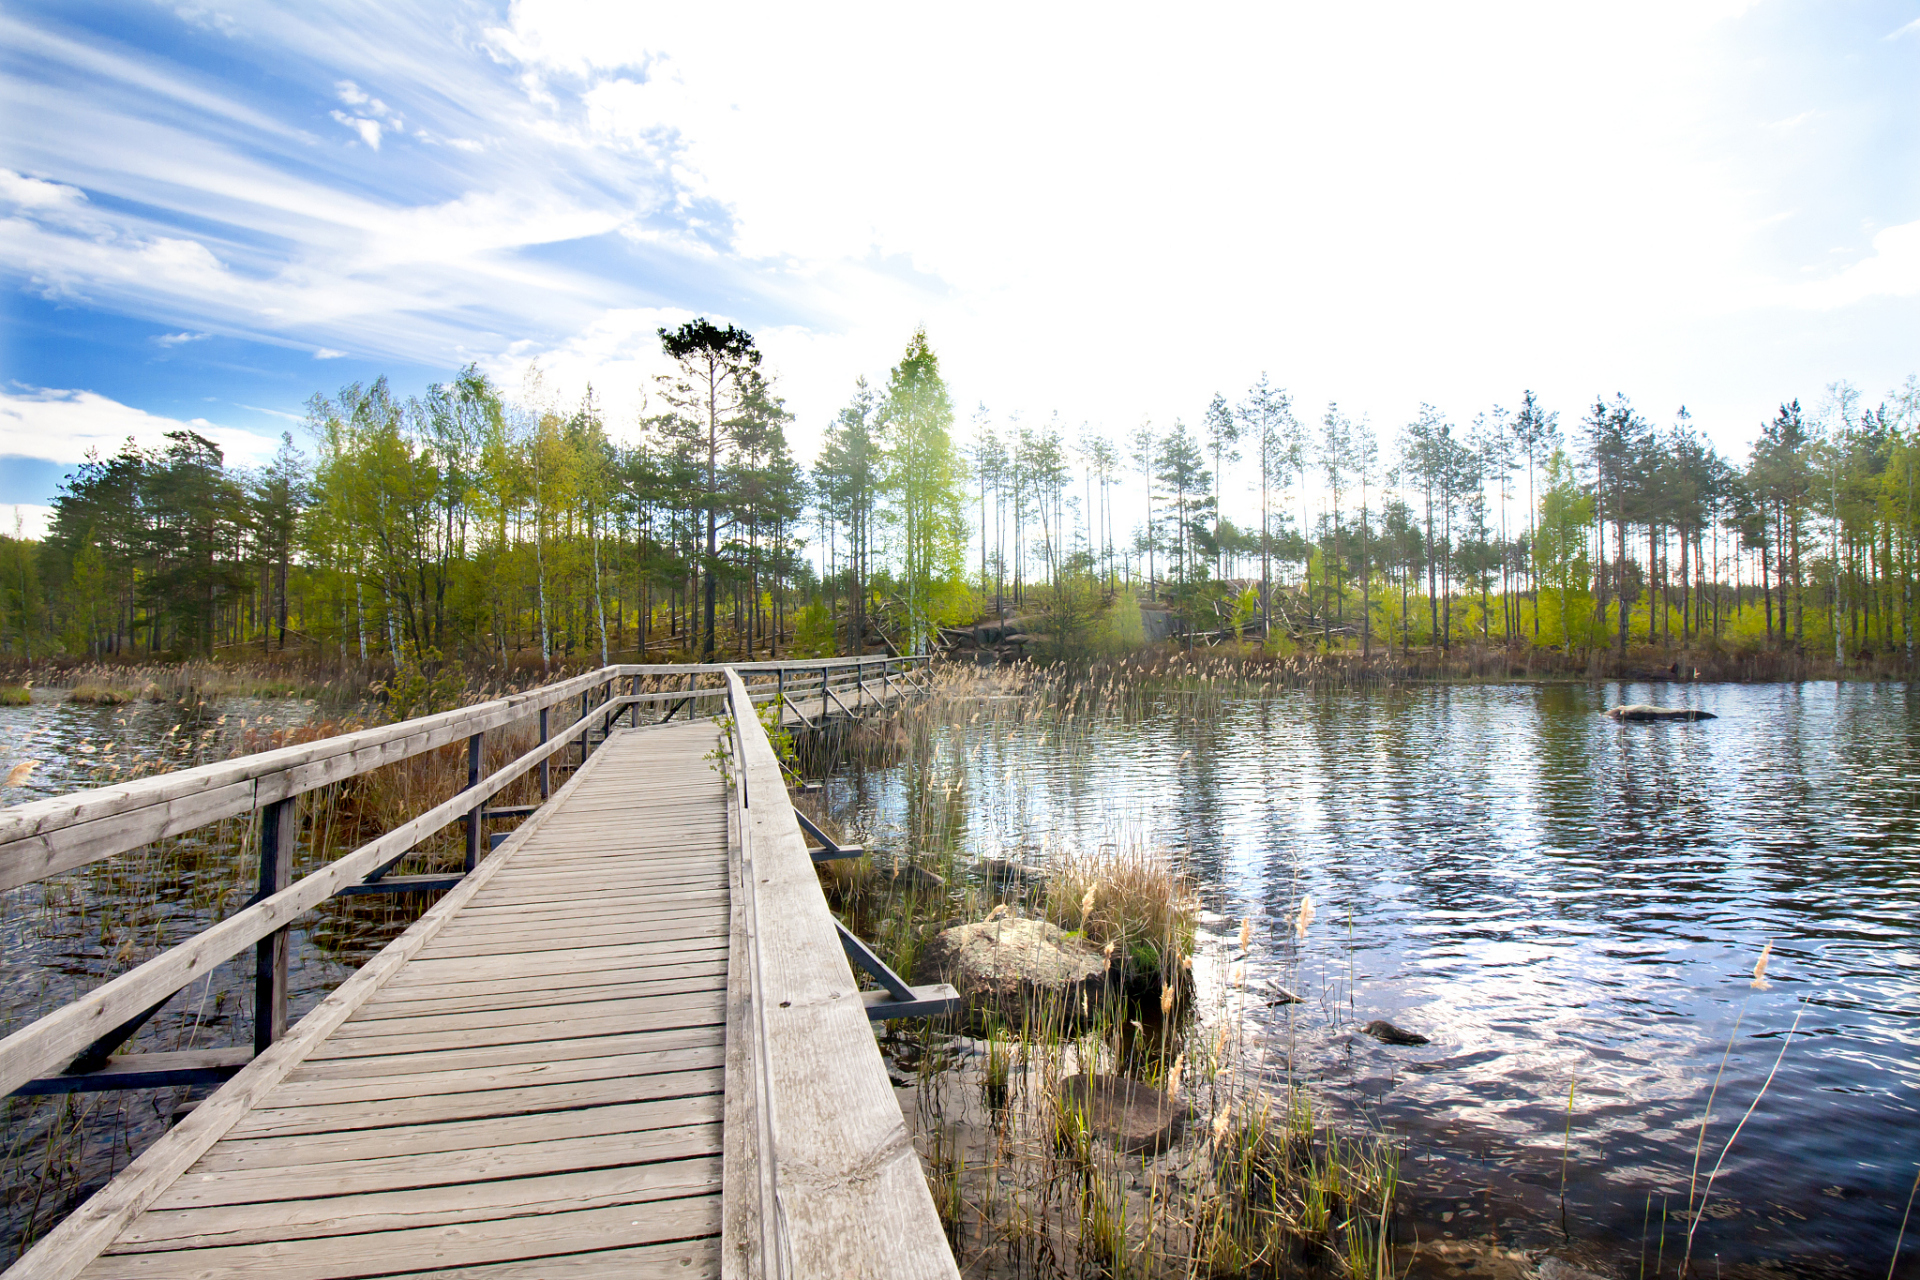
46,837
49,1043
827,1130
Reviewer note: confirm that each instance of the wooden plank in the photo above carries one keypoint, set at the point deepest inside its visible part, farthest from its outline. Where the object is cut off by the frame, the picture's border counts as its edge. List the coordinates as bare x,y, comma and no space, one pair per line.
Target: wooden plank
396,1210
466,1244
534,940
632,957
613,905
710,1013
308,1092
693,1260
707,997
367,1171
433,1108
510,983
79,1237
556,993
533,1053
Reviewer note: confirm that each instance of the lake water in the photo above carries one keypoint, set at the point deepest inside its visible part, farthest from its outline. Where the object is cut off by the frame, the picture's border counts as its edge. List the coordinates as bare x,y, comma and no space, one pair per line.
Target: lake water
1558,901
1551,897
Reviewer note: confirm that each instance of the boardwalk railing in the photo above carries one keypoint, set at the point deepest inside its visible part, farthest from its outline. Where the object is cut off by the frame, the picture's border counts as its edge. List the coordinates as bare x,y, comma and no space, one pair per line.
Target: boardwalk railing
823,1179
73,1047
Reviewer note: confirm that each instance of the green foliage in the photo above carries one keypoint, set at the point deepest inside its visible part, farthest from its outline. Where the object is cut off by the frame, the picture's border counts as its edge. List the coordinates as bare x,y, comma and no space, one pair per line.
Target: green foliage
813,632
422,683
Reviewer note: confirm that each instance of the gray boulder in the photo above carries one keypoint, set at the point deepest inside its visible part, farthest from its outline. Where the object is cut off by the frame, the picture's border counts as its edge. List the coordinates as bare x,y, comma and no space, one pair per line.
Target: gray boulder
1017,968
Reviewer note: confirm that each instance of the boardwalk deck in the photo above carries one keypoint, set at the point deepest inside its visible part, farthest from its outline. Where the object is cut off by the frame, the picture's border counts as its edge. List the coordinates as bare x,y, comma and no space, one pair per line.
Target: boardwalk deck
626,1043
538,1092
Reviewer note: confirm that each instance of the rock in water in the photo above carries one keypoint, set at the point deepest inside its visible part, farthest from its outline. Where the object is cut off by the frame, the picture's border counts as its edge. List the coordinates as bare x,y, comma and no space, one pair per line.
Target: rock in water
1138,1119
1642,711
1018,968
1386,1033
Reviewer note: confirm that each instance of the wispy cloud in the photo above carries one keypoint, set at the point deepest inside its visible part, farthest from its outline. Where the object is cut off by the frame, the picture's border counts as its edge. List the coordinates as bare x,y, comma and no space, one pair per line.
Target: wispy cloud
327,353
65,425
178,339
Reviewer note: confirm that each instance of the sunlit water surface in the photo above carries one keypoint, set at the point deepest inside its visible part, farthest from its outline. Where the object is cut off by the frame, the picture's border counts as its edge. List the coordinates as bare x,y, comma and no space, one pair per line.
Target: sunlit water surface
1560,903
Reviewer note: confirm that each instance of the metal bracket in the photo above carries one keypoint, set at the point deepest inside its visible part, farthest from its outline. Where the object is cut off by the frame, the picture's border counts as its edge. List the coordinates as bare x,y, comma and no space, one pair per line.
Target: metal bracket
144,1071
831,851
399,884
898,1000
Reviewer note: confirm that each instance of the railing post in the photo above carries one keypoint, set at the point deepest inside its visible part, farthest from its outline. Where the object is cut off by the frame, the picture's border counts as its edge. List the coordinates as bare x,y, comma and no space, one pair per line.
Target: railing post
633,691
859,682
279,831
546,762
473,814
585,696
823,695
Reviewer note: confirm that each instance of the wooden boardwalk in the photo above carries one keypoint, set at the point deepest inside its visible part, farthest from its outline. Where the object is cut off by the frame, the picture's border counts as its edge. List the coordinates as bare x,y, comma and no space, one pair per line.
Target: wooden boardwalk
626,1043
538,1092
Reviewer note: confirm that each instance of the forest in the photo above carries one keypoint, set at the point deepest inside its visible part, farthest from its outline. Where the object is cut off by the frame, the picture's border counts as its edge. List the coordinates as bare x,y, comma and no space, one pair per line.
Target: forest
514,532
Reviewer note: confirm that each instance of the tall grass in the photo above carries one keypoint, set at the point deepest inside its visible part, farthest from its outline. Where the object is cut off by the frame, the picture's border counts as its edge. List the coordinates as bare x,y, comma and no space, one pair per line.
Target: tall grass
1254,1178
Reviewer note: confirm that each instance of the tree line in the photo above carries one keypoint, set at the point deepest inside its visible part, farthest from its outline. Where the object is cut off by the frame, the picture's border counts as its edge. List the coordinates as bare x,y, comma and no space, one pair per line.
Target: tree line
466,523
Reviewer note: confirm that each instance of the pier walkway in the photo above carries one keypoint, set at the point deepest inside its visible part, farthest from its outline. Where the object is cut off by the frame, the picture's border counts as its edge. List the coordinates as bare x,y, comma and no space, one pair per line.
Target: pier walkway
627,1041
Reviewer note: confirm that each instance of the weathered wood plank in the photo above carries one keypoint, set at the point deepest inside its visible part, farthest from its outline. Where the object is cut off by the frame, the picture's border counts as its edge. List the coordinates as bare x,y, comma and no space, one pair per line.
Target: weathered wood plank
432,1108
634,1009
554,993
534,1052
366,1170
692,1260
308,1092
387,1252
310,1219
711,1013
508,982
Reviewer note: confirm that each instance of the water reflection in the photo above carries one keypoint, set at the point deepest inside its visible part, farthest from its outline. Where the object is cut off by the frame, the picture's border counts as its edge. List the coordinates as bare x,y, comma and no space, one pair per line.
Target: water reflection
1555,899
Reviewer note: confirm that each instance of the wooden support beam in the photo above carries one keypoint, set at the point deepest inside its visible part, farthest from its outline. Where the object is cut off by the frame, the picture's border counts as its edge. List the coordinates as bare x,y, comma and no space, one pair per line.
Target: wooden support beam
279,839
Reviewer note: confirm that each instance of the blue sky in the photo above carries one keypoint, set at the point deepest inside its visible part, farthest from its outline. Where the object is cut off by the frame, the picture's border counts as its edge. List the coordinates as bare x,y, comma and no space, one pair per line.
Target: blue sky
210,212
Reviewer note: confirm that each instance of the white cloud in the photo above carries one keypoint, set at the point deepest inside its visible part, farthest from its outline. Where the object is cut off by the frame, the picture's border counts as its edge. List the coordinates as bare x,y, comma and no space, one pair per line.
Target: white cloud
25,520
62,426
178,339
327,353
1893,270
37,195
369,130
1113,218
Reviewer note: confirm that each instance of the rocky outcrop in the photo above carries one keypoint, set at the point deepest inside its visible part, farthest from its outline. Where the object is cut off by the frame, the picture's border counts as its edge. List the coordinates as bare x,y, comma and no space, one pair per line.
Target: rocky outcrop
1016,968
1642,711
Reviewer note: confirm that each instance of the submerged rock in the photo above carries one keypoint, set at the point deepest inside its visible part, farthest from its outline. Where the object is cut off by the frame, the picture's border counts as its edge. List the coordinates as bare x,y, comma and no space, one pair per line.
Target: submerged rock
1136,1118
1386,1033
1016,967
1642,711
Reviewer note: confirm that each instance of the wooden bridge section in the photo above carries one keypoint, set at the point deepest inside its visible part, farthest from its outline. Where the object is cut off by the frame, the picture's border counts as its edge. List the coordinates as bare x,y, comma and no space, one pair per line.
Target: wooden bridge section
627,1042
